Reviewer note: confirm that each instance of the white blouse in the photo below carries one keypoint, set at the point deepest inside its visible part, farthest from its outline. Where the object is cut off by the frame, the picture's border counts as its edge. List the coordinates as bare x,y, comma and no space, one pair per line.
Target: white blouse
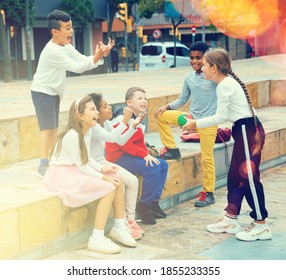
232,104
108,133
70,154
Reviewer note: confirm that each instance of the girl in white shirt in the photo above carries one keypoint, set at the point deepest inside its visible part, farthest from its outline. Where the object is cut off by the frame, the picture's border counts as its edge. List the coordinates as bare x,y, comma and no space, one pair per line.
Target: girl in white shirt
77,179
234,104
104,132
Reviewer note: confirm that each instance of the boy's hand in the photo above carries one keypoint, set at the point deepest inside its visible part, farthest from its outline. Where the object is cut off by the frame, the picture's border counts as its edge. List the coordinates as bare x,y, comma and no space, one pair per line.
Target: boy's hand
190,125
150,159
161,110
98,52
108,47
139,119
127,114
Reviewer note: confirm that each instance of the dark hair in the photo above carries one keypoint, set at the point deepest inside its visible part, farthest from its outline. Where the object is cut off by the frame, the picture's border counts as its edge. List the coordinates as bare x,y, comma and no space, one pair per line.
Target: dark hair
199,46
221,58
97,99
54,19
130,92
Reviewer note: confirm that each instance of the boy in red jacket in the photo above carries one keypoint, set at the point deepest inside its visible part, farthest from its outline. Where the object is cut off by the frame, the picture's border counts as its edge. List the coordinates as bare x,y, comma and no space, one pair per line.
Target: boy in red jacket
134,157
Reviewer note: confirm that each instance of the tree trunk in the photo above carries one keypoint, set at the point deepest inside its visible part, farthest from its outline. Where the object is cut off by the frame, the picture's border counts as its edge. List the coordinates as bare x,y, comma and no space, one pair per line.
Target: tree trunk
5,53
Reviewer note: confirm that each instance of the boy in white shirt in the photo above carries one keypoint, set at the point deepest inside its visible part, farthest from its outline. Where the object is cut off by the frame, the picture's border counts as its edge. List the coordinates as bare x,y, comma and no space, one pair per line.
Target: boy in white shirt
48,85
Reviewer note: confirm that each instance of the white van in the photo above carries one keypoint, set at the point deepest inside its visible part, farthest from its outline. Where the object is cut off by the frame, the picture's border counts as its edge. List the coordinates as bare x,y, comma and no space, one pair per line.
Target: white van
156,55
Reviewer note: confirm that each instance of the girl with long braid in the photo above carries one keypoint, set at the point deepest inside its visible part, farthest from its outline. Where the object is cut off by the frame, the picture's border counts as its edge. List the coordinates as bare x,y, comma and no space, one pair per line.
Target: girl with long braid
243,180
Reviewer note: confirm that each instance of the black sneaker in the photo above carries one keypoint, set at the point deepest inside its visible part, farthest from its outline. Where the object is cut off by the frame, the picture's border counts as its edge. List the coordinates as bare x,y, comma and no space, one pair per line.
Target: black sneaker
157,211
166,153
206,199
145,213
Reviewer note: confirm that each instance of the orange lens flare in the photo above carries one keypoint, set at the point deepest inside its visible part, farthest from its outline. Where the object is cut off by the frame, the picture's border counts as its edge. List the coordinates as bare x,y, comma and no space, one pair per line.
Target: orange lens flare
243,169
242,19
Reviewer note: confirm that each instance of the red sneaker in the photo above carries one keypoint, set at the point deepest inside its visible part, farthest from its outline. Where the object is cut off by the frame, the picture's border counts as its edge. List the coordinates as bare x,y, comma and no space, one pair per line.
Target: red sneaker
136,234
205,199
135,226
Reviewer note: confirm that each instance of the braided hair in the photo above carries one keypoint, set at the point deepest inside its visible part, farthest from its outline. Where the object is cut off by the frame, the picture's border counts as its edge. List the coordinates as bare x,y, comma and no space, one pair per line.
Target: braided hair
222,60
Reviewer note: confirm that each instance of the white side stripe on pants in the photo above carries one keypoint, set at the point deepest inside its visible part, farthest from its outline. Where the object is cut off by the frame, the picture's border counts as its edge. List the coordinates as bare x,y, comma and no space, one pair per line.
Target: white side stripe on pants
250,174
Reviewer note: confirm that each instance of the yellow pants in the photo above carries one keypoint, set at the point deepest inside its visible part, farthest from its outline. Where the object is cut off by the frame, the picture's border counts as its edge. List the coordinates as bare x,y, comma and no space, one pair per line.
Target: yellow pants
207,140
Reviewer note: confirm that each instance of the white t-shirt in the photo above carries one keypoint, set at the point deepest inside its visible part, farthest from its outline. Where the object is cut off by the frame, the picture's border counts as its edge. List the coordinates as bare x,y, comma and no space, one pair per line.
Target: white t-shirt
232,104
108,133
54,61
70,154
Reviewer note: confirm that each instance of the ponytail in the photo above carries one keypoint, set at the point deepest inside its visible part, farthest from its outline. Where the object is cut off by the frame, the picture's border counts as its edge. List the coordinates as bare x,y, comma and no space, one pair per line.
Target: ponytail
258,140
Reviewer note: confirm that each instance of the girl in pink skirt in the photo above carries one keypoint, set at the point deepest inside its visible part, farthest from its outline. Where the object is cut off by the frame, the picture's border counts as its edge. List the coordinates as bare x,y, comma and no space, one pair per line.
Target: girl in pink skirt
77,179
105,132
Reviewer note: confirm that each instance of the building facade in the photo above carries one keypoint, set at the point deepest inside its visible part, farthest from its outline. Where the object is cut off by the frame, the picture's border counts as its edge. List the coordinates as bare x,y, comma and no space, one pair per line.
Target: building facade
84,41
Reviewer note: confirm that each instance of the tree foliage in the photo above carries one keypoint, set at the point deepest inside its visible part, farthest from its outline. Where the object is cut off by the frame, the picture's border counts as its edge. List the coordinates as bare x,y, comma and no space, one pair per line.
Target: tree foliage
148,7
81,12
14,16
15,12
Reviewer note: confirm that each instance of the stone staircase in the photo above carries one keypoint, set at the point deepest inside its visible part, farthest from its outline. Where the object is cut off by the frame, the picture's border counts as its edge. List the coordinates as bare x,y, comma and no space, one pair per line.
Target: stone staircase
34,225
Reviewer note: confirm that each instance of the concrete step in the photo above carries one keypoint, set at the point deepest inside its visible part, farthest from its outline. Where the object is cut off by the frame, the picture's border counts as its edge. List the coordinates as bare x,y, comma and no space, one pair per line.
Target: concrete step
35,226
265,80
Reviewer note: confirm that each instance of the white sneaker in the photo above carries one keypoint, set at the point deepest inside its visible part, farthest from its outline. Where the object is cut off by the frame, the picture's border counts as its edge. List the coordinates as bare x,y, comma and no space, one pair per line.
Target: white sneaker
102,245
123,236
255,232
227,225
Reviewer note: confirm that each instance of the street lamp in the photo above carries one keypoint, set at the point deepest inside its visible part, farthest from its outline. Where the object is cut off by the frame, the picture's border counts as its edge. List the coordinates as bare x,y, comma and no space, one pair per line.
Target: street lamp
28,40
203,25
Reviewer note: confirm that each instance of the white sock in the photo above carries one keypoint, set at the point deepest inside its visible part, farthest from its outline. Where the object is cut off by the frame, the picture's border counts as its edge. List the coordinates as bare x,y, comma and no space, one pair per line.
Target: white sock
260,225
97,233
230,216
119,223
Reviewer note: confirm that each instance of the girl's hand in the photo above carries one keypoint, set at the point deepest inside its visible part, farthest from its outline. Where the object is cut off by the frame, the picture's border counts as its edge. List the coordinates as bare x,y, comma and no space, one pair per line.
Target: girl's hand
161,110
190,125
127,114
150,159
116,182
109,168
139,119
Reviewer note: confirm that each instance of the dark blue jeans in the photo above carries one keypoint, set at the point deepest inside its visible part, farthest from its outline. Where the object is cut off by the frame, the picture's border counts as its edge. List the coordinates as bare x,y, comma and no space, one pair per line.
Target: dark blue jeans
154,177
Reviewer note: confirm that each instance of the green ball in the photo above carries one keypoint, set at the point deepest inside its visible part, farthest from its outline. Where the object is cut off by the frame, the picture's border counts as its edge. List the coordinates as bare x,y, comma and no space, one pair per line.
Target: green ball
181,120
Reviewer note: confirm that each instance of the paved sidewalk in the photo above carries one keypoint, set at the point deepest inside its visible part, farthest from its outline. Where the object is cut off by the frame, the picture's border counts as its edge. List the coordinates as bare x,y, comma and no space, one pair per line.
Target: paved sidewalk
182,234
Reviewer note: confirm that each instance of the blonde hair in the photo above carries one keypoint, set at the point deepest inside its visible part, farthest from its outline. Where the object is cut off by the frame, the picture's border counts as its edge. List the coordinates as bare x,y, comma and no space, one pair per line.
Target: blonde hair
74,123
130,92
221,58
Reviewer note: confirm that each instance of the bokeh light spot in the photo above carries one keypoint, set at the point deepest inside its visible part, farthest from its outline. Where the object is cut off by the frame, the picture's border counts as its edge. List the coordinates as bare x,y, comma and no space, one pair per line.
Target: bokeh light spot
242,19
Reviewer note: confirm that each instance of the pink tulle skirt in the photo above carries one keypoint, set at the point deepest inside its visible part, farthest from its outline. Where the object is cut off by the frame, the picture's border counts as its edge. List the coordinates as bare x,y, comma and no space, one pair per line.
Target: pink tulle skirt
73,186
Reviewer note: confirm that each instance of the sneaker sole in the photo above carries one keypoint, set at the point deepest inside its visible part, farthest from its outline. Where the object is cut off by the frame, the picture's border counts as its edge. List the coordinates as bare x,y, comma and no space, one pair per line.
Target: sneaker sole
255,238
170,158
103,251
229,231
138,237
133,245
148,223
40,176
204,205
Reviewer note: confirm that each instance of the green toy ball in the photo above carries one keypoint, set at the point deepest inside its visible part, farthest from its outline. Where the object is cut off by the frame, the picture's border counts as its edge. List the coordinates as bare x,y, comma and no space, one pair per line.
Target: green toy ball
181,120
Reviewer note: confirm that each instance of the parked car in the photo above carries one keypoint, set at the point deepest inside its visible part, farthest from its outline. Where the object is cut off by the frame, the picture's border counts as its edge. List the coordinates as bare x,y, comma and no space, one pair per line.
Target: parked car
157,55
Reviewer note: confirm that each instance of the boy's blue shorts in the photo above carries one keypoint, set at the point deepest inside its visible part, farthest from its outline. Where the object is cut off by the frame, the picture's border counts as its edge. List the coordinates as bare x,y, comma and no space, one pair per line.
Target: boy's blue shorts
47,110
